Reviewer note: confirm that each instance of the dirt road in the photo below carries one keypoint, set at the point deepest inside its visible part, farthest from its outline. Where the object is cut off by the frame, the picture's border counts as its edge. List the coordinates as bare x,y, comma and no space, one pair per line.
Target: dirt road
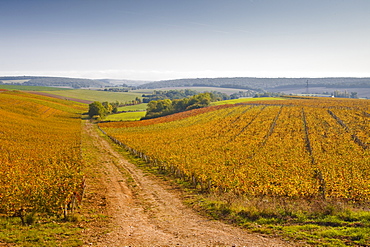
152,214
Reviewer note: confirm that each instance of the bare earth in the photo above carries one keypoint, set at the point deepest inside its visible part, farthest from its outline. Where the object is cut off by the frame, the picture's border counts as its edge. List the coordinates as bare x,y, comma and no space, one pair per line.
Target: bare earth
148,212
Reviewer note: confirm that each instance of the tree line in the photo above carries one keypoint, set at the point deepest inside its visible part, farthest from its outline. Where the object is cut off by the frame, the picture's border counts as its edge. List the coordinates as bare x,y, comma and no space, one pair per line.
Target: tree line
178,94
159,108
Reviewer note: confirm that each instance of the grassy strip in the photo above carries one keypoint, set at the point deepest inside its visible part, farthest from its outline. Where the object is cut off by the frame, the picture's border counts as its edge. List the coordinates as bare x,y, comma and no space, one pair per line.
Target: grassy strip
313,222
94,214
138,107
320,223
125,116
44,232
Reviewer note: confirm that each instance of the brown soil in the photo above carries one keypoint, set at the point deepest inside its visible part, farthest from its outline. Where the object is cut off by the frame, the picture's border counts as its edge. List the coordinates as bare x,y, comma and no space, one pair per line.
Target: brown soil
144,210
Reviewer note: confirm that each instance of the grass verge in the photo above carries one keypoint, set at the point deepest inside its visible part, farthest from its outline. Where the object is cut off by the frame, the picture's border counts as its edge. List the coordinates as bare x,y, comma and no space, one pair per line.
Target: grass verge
315,222
46,231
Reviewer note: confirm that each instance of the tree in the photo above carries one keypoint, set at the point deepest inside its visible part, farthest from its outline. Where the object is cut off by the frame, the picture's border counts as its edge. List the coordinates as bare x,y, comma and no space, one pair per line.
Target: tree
180,105
354,95
115,106
108,107
199,101
97,108
158,108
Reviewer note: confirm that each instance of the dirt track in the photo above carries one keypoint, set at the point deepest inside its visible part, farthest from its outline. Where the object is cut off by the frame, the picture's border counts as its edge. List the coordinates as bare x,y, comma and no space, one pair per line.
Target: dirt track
152,214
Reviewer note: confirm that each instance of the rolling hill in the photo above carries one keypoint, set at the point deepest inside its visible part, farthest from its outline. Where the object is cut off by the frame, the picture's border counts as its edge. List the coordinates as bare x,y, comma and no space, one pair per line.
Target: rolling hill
53,81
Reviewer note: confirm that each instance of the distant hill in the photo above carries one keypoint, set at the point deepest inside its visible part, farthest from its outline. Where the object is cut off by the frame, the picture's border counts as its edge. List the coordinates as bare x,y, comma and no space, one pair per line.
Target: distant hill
53,81
263,83
124,81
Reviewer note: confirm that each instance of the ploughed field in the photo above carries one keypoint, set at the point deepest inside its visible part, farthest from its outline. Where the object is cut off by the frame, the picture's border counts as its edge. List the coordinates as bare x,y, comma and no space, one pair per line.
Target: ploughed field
298,148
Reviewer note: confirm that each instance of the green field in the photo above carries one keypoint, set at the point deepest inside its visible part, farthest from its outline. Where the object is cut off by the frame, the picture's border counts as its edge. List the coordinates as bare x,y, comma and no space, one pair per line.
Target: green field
94,95
139,107
33,88
126,116
132,113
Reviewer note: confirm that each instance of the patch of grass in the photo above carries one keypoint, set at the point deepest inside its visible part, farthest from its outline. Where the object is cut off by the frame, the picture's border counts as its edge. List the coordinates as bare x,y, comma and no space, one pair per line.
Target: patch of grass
299,220
44,232
125,116
138,107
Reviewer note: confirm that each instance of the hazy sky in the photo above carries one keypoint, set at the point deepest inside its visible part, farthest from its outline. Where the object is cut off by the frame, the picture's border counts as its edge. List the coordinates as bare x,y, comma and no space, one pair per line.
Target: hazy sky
167,39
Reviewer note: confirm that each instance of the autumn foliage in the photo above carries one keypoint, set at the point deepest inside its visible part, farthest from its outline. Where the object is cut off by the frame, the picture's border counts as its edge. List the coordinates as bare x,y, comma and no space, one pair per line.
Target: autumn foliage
297,148
40,159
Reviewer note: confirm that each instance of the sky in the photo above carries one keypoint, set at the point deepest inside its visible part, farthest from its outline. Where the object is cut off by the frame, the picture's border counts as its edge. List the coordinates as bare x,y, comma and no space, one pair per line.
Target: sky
172,39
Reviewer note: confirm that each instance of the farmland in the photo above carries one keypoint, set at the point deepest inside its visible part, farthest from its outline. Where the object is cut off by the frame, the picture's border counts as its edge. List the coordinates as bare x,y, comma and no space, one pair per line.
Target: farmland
242,100
41,167
31,88
94,95
298,168
270,163
298,149
126,116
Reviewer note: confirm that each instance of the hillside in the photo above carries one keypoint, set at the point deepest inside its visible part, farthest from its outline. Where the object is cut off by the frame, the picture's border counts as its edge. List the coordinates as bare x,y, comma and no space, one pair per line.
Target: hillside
50,163
262,83
284,85
273,148
287,172
297,168
40,164
53,81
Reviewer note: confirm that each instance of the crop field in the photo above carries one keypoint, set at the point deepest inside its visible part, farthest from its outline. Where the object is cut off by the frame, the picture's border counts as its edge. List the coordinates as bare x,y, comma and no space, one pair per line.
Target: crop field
94,95
126,116
32,88
40,154
298,148
242,100
128,113
138,107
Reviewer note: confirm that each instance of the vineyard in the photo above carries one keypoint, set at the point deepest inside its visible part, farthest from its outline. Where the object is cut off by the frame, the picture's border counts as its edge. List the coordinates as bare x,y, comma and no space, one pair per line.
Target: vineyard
40,159
296,148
